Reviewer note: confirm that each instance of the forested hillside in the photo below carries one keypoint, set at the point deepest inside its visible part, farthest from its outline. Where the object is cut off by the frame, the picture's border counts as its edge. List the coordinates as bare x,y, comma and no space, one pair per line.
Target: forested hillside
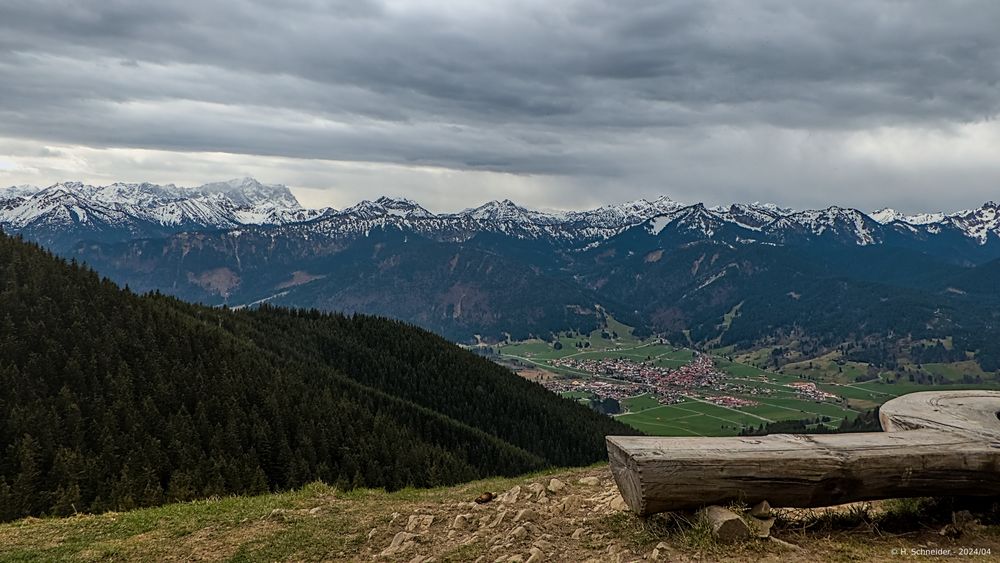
113,400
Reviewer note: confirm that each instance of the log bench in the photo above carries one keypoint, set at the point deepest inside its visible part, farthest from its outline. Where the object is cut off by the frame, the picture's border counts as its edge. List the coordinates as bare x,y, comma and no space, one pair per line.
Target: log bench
933,443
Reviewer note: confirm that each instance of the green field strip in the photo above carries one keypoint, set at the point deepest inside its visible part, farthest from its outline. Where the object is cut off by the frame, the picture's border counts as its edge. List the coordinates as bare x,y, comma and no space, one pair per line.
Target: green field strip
796,412
640,402
821,408
852,392
746,416
658,428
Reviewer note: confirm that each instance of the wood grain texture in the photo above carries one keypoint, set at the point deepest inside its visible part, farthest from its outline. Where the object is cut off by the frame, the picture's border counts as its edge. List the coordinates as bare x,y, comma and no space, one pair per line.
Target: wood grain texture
936,442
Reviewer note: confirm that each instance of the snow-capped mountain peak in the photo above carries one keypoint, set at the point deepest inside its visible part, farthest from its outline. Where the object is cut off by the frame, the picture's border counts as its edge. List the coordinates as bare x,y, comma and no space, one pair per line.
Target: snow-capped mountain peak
74,209
753,216
834,222
619,216
249,192
23,190
402,207
888,215
508,211
977,223
385,206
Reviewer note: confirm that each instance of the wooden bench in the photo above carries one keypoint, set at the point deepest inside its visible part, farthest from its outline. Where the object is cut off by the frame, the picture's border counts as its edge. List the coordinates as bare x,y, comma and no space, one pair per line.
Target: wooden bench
934,443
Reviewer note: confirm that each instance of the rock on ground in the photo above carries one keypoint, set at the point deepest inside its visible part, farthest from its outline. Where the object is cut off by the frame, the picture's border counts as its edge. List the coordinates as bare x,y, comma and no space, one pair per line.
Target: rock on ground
727,526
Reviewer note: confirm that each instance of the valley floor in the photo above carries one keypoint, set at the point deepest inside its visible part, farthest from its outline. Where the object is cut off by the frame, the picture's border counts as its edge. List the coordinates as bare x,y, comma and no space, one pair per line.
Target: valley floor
532,520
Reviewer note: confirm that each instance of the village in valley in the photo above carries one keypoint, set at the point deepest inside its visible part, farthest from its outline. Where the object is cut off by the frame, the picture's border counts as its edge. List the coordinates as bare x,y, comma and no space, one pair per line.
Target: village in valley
622,378
670,390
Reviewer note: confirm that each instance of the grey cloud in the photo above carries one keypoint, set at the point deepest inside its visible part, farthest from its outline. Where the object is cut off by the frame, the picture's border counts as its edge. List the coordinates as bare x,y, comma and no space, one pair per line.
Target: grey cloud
607,93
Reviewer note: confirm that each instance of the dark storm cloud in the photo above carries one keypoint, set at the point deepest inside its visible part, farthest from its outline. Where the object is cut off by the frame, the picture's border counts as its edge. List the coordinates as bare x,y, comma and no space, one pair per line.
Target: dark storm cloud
626,91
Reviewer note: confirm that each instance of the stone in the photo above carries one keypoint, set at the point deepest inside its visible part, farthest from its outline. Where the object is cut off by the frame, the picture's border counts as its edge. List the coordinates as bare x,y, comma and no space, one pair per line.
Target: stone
510,496
727,526
515,559
617,504
419,521
519,532
536,489
785,544
761,510
555,485
659,551
315,510
578,533
762,526
570,503
590,481
526,514
535,555
461,521
371,532
544,545
499,519
400,542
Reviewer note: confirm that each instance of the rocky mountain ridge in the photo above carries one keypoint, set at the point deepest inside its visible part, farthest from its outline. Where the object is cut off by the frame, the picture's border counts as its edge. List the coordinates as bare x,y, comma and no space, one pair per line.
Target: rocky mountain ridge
70,212
67,212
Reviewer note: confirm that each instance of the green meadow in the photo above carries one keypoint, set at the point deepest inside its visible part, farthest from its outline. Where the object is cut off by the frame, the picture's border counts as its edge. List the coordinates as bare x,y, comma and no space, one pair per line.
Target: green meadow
698,418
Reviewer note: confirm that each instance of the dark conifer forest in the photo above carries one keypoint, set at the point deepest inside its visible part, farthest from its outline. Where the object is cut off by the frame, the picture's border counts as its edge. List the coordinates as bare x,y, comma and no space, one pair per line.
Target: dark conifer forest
111,400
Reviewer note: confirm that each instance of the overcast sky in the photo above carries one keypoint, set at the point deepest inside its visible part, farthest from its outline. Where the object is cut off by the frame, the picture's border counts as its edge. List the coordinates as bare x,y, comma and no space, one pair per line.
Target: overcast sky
550,103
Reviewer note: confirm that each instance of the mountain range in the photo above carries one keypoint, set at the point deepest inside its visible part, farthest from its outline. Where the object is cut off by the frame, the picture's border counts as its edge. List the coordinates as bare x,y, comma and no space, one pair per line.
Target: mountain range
124,211
742,275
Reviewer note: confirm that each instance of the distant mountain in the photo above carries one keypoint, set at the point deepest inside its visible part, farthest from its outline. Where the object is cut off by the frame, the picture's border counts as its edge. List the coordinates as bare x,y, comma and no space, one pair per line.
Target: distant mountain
980,224
113,400
66,213
72,212
503,270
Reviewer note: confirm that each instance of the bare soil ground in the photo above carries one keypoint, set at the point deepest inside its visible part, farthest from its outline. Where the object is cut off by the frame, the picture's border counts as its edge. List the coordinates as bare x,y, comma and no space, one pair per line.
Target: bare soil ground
564,515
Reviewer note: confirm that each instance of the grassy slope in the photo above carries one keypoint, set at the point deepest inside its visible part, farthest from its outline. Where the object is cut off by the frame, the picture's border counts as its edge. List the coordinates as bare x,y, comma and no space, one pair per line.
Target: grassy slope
321,523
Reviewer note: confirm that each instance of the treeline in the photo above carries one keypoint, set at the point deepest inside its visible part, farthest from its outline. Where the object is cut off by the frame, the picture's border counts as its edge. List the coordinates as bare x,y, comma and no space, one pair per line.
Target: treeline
865,422
112,400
